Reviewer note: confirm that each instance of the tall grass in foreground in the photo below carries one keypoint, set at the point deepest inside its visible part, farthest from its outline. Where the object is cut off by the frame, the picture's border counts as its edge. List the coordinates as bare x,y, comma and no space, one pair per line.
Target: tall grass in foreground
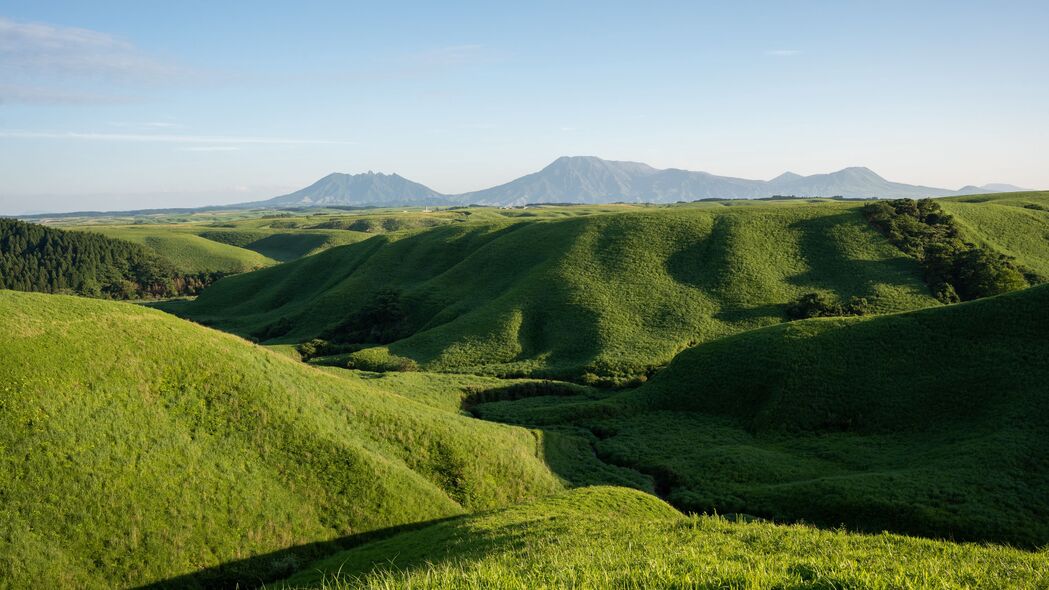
614,538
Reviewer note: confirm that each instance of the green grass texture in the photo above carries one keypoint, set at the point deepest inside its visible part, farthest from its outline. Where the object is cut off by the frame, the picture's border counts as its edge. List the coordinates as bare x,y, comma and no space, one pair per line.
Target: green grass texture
185,250
603,297
605,537
1015,224
930,422
137,447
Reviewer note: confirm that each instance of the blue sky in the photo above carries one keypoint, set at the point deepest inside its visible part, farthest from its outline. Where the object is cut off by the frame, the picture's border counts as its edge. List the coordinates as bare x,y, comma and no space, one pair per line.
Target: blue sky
118,105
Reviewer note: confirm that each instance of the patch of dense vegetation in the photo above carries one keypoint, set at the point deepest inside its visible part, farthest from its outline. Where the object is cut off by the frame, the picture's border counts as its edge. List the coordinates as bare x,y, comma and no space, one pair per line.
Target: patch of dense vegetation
38,258
600,299
617,538
381,320
818,305
136,447
930,422
955,269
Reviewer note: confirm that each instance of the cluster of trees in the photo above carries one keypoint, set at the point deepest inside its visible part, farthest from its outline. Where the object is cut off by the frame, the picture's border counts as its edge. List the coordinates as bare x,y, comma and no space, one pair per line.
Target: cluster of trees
954,269
38,258
382,320
818,305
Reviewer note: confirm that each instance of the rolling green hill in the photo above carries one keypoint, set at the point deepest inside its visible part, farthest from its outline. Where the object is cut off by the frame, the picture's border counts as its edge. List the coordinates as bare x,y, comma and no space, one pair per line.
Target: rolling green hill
283,245
618,538
930,422
1015,224
246,246
185,250
137,447
600,298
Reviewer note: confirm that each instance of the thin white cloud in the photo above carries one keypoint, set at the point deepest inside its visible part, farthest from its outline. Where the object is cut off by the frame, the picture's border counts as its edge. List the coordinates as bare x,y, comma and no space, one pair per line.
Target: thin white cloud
37,49
31,94
783,52
163,138
209,148
145,124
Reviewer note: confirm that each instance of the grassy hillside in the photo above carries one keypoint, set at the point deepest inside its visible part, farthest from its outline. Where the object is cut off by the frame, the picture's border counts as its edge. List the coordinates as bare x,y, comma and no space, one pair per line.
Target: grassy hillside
185,250
930,422
1015,224
135,447
241,247
617,538
601,298
283,245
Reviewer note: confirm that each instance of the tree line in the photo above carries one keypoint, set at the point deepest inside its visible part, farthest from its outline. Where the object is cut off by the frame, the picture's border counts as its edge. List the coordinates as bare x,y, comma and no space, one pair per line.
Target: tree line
38,258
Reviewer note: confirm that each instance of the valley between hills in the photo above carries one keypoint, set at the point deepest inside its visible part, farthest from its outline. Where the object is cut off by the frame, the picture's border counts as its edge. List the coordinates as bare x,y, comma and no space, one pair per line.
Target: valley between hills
776,393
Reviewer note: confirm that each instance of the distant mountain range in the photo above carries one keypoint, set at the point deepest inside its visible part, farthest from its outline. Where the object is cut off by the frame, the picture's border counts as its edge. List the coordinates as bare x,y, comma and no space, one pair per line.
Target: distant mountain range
587,179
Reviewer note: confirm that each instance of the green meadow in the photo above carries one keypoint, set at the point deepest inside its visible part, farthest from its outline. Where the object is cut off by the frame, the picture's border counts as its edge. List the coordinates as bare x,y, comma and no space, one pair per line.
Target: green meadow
589,397
927,422
601,298
616,538
138,447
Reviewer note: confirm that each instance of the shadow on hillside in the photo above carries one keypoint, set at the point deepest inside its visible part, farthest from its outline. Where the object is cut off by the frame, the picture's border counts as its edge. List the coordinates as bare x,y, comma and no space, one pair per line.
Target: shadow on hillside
837,269
260,570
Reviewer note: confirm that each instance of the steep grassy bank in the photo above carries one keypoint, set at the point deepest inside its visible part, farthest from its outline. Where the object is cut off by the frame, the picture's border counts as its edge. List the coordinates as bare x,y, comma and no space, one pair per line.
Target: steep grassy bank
602,298
135,447
618,538
929,422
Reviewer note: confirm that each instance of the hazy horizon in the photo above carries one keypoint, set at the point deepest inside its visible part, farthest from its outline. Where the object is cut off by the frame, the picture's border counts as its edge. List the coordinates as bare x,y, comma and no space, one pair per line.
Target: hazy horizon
117,106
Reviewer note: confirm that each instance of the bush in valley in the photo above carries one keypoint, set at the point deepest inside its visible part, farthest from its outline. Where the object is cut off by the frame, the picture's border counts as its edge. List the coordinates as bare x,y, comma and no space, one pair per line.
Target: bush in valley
474,395
379,360
318,347
955,270
38,258
380,321
818,305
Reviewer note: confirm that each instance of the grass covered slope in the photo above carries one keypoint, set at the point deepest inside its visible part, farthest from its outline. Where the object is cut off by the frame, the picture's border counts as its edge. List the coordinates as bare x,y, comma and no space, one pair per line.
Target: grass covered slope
930,422
619,538
185,250
135,447
1015,224
601,297
284,244
203,248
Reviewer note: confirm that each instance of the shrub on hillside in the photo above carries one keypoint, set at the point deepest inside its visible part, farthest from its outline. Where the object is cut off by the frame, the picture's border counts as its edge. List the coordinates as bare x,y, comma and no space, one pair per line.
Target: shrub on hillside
818,305
320,348
380,360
